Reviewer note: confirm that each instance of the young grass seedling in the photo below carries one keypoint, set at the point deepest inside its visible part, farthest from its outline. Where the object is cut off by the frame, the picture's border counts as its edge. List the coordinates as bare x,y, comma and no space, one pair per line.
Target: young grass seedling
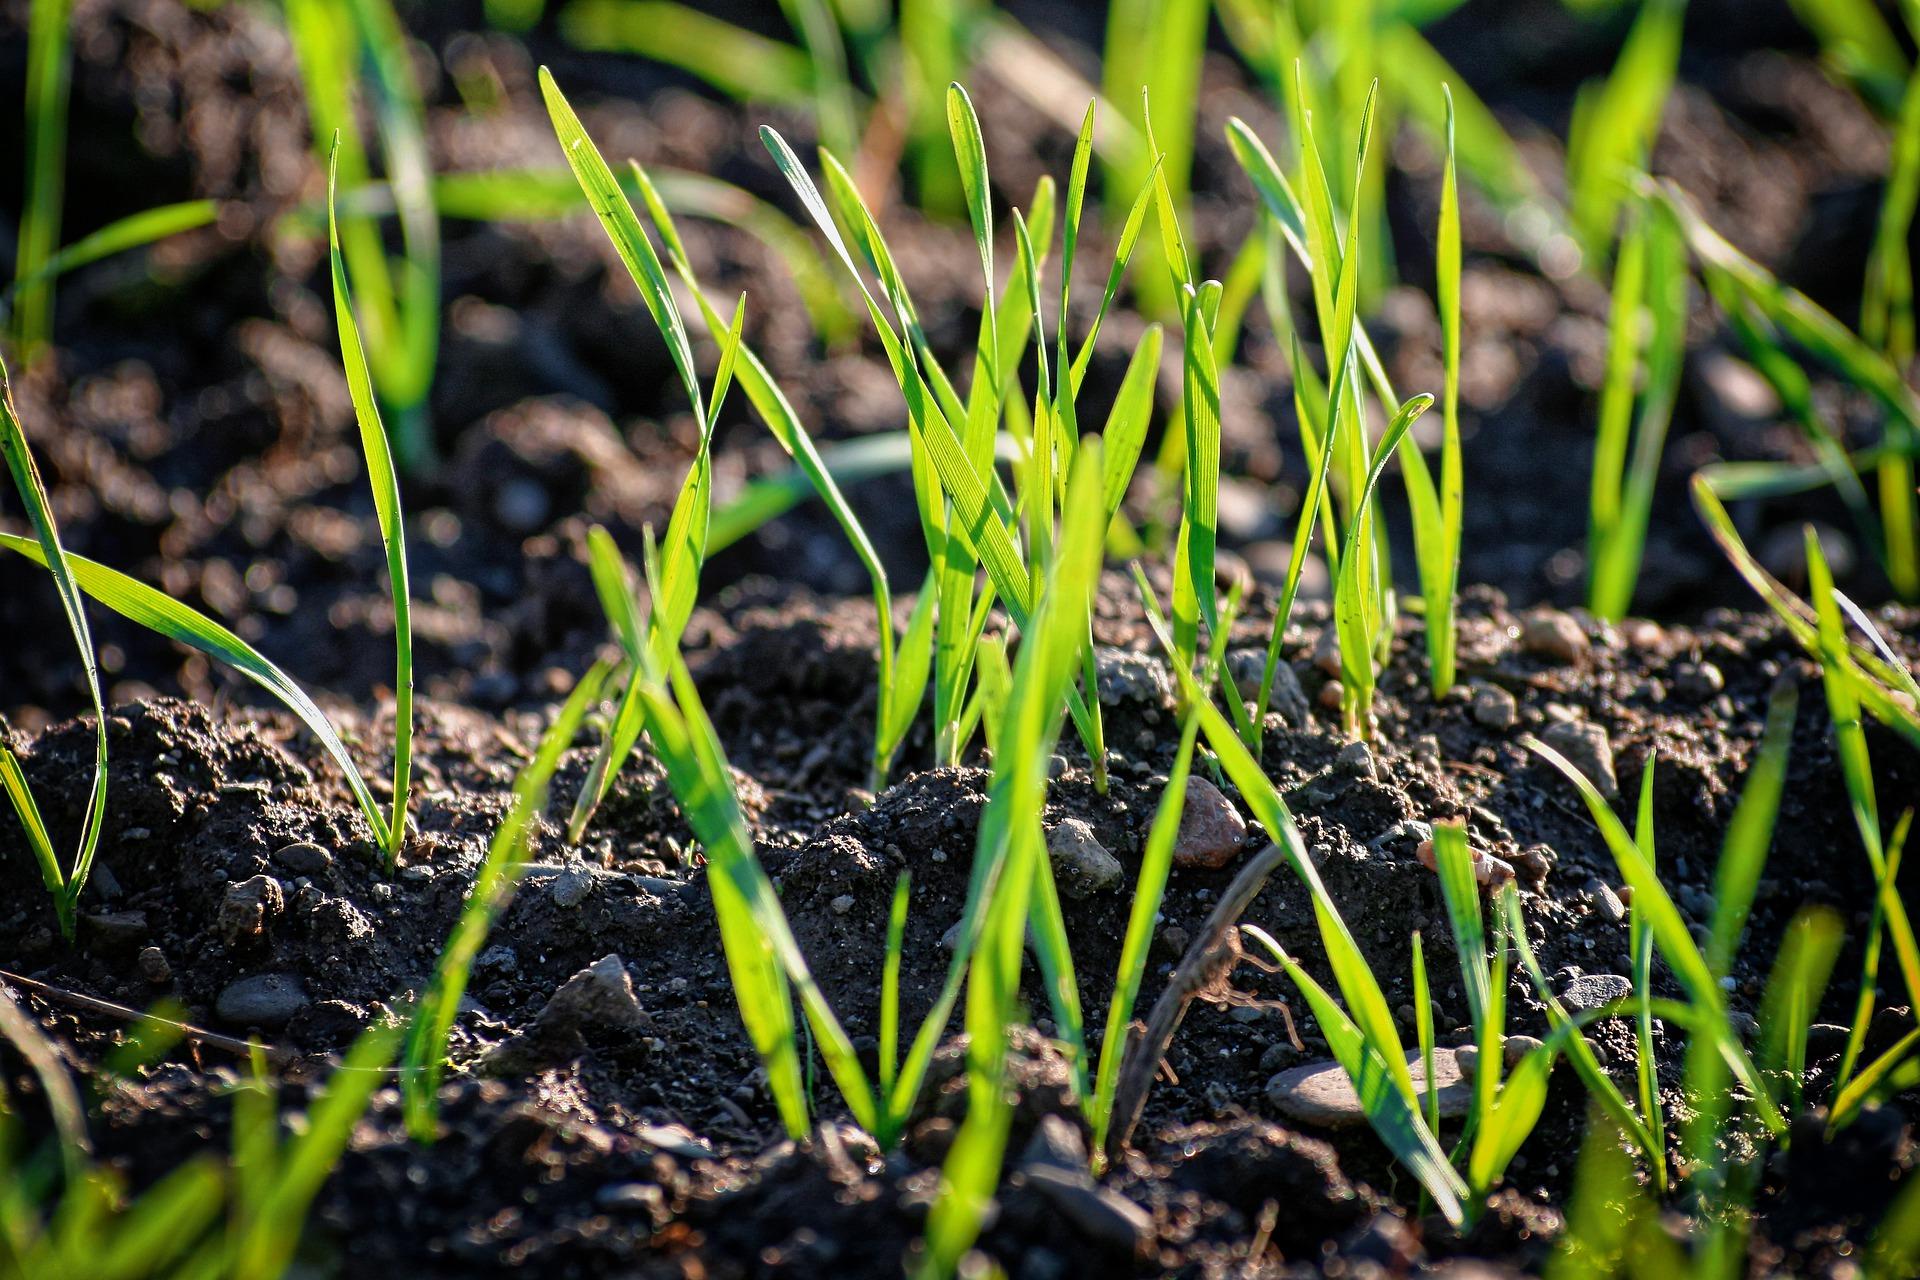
1615,122
400,301
49,71
65,885
1010,858
385,482
1651,269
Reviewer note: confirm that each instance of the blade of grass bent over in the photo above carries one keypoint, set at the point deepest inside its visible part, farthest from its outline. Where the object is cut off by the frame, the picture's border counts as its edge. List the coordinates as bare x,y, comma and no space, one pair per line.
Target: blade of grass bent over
66,886
160,612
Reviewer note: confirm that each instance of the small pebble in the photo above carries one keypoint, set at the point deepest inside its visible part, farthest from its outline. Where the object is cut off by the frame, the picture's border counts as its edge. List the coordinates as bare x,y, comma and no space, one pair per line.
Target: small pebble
1592,990
1554,635
304,859
1494,707
1211,829
1081,864
1320,1092
1326,651
266,1000
1586,747
154,967
246,907
842,904
570,888
1698,680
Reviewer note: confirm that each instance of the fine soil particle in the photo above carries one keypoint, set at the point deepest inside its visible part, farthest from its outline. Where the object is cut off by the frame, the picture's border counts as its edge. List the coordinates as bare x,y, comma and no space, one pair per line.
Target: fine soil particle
605,1114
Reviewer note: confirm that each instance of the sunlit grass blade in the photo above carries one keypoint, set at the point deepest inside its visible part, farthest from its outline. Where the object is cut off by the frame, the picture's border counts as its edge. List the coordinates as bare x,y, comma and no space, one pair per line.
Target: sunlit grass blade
1670,934
1887,908
1461,894
740,63
1640,952
629,239
45,548
1423,1027
135,231
1792,1000
1149,888
1652,266
890,983
159,612
1393,1116
1892,1072
385,483
49,71
1885,692
1441,585
1355,604
491,892
1614,122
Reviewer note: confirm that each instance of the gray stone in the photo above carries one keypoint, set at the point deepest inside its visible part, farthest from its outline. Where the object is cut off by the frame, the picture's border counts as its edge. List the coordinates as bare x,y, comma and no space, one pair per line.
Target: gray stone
597,1001
570,888
1211,829
1100,1216
1247,667
1554,635
154,967
1081,864
304,859
246,908
115,931
1355,761
1587,749
266,1000
1494,707
1592,990
1124,676
841,904
1056,1142
1320,1092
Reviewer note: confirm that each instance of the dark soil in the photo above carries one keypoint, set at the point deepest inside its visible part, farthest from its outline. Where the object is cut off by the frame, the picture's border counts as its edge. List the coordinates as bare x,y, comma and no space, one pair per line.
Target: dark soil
195,431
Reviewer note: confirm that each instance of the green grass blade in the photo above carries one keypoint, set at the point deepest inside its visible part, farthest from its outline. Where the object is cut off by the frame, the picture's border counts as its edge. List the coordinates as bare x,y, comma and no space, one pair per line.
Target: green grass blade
1393,1117
1624,497
890,983
1888,912
49,71
1354,606
1445,581
1423,1027
1126,430
385,483
1749,833
46,550
1874,1080
1614,124
159,612
134,231
1640,950
738,62
629,239
1461,894
1670,933
491,893
1792,1000
1148,892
